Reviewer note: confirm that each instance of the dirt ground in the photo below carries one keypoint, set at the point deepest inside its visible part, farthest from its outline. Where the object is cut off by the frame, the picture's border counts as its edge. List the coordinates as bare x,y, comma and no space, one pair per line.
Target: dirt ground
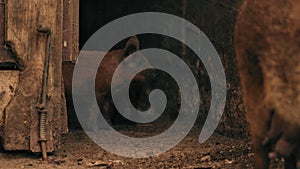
78,151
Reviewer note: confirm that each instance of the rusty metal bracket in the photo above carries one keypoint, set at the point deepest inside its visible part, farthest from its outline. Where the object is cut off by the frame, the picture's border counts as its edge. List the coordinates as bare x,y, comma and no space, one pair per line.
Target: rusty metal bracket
42,107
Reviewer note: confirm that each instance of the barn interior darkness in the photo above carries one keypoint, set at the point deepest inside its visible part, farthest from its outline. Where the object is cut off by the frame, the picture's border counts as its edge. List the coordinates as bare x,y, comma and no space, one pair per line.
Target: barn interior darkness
94,15
215,18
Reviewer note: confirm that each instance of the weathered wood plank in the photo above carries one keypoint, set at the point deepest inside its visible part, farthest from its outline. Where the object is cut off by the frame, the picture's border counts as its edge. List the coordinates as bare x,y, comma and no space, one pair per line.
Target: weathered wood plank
70,30
8,83
21,118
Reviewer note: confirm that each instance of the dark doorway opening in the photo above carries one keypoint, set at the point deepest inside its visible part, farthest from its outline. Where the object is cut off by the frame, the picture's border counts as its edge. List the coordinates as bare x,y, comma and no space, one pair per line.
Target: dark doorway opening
95,14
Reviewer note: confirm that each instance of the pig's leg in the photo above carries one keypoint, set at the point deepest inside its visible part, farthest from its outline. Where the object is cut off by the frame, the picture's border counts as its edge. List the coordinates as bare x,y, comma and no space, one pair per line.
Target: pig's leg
259,127
275,136
286,138
260,154
286,149
260,151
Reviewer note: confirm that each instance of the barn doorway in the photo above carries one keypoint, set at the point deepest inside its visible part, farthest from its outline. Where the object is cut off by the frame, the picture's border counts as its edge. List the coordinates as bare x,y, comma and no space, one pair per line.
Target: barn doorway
92,16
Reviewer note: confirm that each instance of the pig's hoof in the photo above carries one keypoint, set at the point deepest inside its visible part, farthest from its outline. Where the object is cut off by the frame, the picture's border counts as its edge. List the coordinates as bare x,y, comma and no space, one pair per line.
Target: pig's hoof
273,155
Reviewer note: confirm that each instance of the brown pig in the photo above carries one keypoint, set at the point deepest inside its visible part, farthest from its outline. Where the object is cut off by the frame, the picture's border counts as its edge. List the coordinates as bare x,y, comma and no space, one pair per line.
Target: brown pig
267,42
102,84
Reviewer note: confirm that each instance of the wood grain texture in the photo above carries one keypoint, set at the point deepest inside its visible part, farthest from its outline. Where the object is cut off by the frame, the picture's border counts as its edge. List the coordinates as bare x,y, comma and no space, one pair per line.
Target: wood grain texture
70,30
23,20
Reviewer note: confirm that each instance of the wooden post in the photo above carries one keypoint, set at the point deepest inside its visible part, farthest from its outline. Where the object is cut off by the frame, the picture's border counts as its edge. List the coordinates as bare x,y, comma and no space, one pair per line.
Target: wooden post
70,30
2,22
21,118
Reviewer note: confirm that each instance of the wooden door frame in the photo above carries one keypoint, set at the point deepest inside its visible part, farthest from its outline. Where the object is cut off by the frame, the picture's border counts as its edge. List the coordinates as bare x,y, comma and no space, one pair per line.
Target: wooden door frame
70,30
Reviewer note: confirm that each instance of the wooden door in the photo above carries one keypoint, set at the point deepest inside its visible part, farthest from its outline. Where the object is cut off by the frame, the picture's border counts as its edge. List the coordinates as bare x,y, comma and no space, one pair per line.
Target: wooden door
21,119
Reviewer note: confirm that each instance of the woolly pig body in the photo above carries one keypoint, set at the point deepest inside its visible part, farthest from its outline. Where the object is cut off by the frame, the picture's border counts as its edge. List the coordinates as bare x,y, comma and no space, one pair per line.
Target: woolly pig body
267,41
102,82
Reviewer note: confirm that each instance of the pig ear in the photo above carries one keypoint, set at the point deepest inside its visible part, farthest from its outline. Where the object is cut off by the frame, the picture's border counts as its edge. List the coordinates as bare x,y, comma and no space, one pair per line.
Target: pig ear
132,45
